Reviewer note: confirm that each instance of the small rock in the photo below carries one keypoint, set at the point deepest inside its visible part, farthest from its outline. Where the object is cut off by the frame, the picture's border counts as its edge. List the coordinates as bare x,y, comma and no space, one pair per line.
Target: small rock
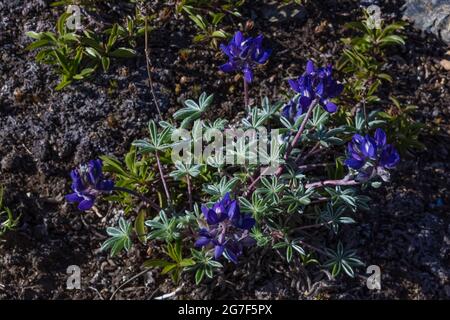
445,64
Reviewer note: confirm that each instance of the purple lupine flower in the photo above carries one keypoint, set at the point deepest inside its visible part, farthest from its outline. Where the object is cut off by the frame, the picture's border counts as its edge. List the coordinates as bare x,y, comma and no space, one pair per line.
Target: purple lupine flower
227,229
315,83
87,183
244,54
374,151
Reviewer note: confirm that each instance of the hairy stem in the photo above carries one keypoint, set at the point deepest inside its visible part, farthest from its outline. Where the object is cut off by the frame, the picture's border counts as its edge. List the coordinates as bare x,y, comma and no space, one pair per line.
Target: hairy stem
189,188
161,173
290,147
140,196
324,183
148,62
313,166
301,129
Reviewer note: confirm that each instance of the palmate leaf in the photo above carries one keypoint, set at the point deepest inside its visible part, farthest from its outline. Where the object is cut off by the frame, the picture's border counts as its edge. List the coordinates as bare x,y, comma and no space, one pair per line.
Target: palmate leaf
120,237
342,259
157,141
193,110
163,228
218,190
183,170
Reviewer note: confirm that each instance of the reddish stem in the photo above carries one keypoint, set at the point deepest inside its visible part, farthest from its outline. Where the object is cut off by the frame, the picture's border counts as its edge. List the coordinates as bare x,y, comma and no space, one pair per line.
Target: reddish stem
341,182
161,173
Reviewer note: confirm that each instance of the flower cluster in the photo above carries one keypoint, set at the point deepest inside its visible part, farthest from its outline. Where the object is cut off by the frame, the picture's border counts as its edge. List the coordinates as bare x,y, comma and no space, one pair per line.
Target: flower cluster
244,54
227,229
371,152
87,183
315,83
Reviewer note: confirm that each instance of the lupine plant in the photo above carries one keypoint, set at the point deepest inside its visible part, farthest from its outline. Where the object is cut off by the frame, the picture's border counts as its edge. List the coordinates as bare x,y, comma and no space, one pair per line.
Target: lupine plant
244,54
365,61
76,57
213,212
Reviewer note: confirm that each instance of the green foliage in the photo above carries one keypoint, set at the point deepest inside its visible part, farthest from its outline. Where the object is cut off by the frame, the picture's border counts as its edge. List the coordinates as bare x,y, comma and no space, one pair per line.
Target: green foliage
193,110
204,265
77,57
7,220
62,50
157,142
139,226
291,246
364,57
163,228
291,214
119,237
101,49
193,6
208,28
400,125
182,170
176,265
365,61
208,16
135,173
342,259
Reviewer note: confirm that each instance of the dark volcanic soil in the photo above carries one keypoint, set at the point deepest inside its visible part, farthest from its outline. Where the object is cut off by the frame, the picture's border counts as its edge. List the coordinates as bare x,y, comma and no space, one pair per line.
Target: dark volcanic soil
45,133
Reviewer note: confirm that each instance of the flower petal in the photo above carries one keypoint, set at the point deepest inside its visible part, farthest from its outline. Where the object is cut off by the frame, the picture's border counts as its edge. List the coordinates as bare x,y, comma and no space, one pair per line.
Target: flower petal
86,204
232,256
247,223
218,251
330,106
305,102
294,85
74,197
238,38
354,163
380,137
310,69
228,67
233,210
264,56
202,241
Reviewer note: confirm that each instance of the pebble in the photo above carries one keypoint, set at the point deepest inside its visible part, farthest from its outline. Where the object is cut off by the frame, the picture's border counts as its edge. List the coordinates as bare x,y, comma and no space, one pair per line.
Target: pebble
445,64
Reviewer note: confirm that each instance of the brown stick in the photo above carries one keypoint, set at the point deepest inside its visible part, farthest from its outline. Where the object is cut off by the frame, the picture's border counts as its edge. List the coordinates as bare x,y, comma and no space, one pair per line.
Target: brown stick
148,62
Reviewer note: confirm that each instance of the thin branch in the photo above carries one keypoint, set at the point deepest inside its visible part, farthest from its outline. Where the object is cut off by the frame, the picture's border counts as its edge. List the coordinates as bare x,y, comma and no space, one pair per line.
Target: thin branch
341,182
314,166
189,187
140,196
301,129
128,281
297,136
316,225
161,173
148,62
290,147
314,149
